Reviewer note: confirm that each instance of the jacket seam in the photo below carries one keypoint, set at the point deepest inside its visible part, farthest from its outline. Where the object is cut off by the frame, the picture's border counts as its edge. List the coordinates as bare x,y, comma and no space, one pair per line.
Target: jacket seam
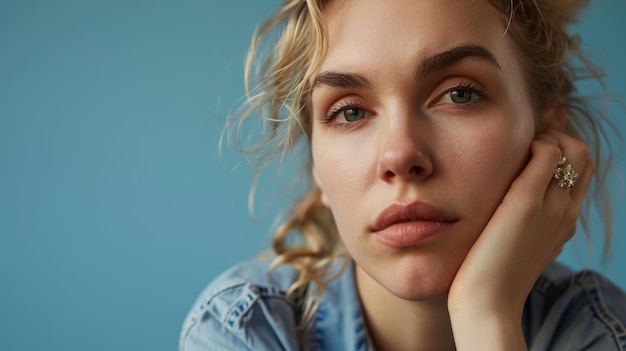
592,289
238,309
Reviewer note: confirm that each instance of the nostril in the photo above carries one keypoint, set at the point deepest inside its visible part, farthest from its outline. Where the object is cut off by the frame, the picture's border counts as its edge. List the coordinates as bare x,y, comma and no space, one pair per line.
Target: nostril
415,170
404,160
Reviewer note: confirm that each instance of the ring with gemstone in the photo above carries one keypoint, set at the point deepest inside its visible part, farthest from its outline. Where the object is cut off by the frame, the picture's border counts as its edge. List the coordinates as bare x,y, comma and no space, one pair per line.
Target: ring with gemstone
565,176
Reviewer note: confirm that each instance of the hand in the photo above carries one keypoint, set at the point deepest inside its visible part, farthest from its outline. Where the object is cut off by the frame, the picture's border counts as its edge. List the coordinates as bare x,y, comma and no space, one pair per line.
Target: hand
524,236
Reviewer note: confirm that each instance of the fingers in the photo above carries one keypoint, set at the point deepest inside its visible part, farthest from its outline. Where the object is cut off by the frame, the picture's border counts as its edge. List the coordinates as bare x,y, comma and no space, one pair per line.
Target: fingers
577,154
534,181
551,211
582,184
567,201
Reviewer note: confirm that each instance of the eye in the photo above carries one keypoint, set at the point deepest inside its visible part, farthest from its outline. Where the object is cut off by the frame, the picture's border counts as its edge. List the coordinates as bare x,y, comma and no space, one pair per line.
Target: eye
463,94
352,114
460,96
345,113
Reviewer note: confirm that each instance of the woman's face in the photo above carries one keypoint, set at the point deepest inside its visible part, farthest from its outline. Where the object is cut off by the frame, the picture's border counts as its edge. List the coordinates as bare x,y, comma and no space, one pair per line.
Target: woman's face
421,121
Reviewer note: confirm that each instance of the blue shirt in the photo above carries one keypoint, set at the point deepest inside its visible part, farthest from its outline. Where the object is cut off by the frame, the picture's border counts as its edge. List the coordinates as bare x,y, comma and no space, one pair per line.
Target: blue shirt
246,308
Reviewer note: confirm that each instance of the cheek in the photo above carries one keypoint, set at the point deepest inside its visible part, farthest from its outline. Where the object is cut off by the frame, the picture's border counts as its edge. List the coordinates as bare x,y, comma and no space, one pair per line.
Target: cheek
338,182
492,160
340,172
501,156
345,179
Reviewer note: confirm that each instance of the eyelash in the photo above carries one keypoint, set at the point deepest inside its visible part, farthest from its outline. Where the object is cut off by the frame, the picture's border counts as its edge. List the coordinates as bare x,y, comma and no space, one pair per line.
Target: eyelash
343,106
481,94
346,105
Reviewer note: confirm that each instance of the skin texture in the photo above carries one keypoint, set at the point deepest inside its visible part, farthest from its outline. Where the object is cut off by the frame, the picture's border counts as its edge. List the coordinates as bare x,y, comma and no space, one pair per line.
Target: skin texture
388,129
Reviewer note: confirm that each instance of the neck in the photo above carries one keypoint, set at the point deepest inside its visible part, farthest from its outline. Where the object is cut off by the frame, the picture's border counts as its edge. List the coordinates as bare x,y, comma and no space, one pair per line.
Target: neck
396,324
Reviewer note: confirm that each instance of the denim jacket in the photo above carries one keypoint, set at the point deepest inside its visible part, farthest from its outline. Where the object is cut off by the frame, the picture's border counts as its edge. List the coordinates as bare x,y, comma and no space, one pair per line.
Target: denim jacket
246,308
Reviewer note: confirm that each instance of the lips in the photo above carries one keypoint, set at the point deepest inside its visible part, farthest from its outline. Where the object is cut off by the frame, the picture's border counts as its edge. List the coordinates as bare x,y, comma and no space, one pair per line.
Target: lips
408,225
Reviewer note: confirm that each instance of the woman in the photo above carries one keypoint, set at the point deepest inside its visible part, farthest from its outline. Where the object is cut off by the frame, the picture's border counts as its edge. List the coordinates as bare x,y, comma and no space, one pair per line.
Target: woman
448,171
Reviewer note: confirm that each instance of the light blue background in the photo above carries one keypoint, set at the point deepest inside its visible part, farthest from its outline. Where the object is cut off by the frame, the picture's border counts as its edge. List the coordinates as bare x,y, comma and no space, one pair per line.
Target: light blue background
115,207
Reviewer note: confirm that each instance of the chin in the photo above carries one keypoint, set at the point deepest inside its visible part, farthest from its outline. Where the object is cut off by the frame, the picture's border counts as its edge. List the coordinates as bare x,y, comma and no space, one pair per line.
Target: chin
421,292
418,281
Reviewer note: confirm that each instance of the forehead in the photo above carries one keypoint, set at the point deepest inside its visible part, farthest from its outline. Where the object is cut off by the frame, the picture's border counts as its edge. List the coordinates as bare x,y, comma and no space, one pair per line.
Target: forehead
362,31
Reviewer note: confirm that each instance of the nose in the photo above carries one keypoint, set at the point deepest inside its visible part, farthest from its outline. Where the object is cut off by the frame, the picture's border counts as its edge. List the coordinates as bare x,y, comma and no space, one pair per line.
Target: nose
405,153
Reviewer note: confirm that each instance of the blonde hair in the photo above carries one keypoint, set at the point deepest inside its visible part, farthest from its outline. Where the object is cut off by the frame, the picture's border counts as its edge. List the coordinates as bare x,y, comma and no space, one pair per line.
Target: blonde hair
286,53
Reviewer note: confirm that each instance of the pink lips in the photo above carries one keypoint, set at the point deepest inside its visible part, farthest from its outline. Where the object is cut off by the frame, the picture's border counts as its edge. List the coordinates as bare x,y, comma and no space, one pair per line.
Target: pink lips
411,225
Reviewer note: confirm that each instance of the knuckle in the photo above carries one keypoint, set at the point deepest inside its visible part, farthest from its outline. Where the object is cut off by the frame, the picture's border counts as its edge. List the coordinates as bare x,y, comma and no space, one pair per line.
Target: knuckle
554,151
582,153
546,138
571,215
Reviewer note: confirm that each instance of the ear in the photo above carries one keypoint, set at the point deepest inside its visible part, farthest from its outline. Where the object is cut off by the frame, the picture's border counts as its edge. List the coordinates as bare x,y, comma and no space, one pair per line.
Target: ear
323,196
554,117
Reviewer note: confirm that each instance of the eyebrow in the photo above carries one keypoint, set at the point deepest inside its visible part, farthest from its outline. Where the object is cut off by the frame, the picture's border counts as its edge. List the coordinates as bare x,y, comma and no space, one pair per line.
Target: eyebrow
449,58
341,80
428,66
